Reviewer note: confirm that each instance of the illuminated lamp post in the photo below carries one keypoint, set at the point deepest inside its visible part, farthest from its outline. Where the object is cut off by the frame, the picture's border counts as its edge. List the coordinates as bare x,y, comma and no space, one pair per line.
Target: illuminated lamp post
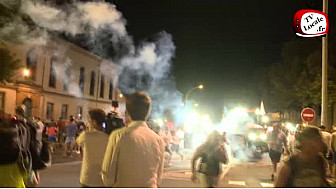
188,93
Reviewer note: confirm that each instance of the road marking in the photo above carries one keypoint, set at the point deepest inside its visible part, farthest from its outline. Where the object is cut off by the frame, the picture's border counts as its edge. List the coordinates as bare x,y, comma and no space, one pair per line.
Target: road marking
233,182
267,185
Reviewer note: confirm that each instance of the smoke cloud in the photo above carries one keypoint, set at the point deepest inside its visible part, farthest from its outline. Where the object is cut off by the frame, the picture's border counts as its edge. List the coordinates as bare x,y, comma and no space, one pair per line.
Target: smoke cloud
101,28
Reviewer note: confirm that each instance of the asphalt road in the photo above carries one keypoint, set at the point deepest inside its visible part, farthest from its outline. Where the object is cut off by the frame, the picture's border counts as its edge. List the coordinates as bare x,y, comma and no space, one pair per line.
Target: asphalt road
237,174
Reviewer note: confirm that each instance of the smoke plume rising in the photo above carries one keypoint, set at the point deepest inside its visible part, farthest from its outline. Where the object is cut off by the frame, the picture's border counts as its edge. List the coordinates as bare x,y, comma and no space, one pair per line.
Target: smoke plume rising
101,28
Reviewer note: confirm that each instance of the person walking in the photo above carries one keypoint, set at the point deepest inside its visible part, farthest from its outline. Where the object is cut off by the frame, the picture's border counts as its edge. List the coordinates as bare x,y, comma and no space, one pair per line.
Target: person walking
52,135
94,142
71,130
307,168
212,153
277,142
175,144
135,154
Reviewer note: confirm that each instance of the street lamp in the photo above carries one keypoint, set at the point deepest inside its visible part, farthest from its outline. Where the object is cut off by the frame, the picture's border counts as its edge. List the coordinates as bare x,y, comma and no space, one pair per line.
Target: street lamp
121,95
26,72
198,87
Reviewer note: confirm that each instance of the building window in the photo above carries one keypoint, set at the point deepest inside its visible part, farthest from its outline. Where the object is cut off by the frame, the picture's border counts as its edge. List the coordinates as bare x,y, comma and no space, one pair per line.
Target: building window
79,111
111,89
66,77
31,62
52,76
81,79
102,86
2,101
50,110
92,83
64,113
28,102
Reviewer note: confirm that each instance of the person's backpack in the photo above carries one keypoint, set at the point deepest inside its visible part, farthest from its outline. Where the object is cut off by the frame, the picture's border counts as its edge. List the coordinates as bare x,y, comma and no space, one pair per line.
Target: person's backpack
293,166
9,149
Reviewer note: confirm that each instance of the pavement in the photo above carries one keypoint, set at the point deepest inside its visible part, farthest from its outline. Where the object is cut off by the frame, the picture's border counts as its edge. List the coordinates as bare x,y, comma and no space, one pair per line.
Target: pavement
239,173
58,156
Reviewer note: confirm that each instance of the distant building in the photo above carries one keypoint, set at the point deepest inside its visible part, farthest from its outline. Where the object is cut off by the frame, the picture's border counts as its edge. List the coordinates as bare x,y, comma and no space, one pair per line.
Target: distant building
60,79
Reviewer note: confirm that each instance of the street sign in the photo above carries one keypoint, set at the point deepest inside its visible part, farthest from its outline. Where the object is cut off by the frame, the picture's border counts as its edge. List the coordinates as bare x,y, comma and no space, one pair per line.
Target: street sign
308,115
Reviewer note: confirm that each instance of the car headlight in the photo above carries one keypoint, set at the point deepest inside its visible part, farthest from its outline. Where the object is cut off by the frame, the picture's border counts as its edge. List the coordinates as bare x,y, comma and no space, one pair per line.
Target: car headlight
252,136
263,136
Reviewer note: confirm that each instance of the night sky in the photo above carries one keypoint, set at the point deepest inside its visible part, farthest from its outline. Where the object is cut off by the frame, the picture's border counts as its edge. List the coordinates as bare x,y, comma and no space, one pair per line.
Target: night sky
219,43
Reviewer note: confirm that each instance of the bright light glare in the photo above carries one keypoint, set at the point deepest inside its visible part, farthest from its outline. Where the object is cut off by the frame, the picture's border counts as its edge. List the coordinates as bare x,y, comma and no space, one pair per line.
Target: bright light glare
257,111
159,122
201,86
180,134
290,127
198,139
26,72
196,105
121,95
252,136
265,119
263,136
191,121
269,129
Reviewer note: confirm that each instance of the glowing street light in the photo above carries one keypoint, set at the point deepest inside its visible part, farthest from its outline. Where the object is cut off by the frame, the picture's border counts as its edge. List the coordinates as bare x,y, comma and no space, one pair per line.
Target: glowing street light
121,95
198,87
26,72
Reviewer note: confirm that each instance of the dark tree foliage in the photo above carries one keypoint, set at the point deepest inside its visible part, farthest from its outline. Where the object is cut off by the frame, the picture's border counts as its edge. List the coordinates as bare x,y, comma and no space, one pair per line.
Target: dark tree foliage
9,63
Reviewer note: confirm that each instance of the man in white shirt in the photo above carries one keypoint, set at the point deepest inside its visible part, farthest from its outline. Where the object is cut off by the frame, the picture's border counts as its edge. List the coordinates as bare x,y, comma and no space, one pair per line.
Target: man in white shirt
135,154
94,142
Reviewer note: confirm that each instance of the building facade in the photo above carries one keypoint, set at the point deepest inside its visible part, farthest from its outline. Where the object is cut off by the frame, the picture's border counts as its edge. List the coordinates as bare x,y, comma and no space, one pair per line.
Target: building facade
60,79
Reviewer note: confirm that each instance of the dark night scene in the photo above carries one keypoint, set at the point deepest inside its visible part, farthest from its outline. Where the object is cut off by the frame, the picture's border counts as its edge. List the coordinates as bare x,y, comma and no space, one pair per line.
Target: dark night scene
167,93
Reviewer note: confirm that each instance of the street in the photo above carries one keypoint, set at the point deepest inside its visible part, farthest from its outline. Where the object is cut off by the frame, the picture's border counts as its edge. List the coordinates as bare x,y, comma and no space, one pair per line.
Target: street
236,174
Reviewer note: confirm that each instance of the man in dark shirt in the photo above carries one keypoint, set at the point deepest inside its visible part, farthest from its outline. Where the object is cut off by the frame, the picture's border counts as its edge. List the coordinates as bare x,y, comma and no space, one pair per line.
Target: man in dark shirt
71,130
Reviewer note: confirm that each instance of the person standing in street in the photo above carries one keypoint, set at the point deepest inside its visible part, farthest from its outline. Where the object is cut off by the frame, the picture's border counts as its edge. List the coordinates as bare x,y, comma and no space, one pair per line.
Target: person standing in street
135,154
277,142
307,168
212,153
328,152
94,143
71,130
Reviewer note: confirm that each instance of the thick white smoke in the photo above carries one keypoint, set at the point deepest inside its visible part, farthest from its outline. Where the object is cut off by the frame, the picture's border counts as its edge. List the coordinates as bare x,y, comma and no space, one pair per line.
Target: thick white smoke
145,67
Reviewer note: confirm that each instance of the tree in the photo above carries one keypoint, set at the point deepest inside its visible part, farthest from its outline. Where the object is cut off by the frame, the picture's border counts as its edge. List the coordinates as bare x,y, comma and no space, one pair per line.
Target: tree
9,63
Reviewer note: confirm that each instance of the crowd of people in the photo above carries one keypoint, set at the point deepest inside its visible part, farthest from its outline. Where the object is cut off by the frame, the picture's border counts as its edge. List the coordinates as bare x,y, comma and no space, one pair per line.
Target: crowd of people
310,156
134,156
131,156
